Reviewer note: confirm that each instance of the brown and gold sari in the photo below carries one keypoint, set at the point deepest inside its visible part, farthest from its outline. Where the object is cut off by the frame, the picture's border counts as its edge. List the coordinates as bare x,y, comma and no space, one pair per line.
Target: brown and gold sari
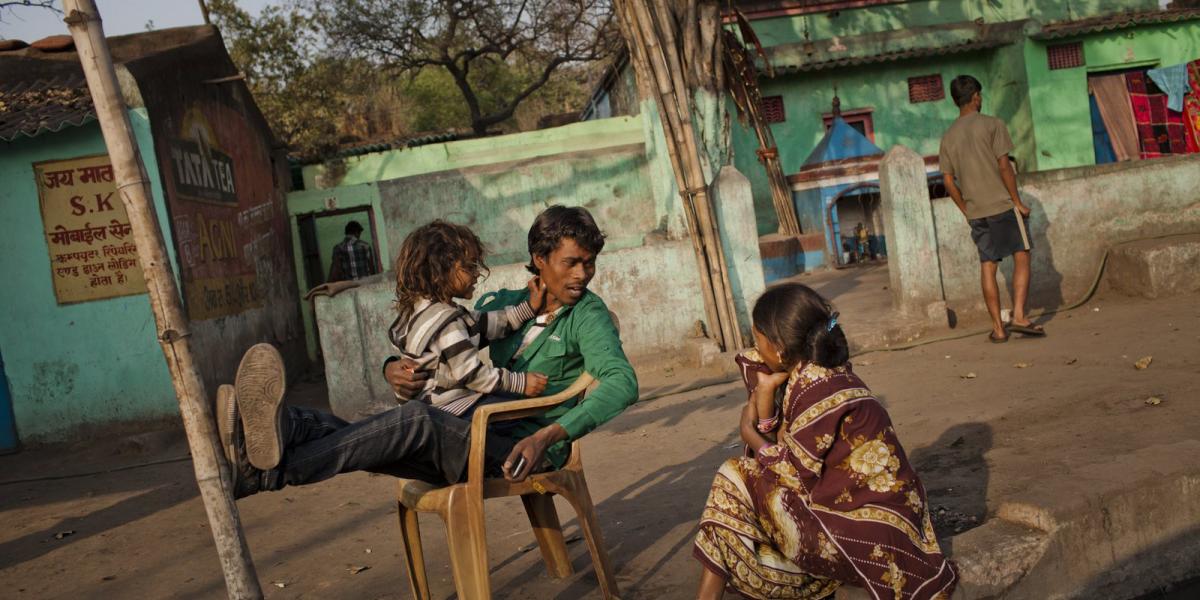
834,501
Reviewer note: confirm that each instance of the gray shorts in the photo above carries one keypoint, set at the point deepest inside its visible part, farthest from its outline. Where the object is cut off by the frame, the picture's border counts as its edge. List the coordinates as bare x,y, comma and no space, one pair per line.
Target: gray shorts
999,236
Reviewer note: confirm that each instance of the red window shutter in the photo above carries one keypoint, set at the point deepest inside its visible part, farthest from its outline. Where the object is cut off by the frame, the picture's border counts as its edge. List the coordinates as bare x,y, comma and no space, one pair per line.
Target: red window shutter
1065,56
771,109
927,88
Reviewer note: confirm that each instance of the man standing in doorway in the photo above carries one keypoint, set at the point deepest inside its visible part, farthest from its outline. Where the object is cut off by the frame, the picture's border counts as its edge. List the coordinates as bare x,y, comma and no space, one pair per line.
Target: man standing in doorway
980,179
353,258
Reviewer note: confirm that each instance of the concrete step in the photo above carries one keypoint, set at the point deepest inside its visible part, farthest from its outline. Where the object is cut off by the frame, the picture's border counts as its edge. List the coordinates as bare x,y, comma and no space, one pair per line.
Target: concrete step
1155,268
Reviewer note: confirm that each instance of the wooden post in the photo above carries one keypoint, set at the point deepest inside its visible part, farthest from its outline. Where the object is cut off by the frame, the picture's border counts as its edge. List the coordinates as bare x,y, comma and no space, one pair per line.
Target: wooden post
172,326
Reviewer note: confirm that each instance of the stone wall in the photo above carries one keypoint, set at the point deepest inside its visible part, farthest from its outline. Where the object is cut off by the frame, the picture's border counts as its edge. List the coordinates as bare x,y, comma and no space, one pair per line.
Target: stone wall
1078,215
652,286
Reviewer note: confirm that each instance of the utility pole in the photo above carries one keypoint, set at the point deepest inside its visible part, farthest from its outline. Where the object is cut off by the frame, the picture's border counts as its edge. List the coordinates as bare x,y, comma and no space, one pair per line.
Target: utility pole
171,325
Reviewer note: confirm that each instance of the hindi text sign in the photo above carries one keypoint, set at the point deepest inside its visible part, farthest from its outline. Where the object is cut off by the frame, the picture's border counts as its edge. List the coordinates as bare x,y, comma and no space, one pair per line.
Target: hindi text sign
92,254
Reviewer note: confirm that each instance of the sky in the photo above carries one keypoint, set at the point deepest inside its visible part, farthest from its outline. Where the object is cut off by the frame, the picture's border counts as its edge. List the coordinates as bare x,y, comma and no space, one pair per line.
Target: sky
119,16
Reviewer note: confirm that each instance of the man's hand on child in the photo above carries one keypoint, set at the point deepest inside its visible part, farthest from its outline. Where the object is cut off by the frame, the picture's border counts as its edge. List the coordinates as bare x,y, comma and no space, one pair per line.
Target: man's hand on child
535,384
537,293
404,378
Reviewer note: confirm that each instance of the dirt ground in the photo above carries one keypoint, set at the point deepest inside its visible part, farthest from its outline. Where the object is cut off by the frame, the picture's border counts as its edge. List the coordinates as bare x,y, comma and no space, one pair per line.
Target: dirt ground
1041,419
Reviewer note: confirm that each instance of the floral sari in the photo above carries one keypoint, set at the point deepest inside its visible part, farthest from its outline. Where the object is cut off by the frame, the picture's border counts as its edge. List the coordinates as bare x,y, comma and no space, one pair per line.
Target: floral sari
834,501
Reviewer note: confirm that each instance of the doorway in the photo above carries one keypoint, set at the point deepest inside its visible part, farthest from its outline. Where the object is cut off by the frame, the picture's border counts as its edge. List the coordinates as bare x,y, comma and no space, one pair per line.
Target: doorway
855,207
321,231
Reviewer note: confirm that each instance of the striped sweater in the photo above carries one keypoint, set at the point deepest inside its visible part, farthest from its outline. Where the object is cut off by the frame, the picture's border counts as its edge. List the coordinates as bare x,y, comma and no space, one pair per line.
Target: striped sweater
446,338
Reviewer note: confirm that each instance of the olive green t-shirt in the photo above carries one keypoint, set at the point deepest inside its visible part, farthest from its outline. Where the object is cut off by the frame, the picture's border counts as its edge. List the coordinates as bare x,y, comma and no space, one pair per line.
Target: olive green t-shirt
969,153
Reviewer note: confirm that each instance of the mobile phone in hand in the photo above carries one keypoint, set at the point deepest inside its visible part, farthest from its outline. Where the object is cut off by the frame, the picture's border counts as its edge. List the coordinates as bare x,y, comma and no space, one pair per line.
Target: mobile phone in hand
516,468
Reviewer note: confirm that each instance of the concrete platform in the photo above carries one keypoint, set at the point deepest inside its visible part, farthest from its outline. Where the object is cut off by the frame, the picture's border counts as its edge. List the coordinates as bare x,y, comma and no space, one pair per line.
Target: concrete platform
1156,268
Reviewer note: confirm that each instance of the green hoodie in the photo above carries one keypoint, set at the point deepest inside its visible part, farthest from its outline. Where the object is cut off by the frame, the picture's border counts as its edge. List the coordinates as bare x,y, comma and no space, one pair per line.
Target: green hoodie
580,338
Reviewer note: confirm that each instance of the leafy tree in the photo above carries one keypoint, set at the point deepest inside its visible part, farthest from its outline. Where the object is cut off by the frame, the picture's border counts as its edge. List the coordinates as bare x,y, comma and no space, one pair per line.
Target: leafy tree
305,93
497,53
318,100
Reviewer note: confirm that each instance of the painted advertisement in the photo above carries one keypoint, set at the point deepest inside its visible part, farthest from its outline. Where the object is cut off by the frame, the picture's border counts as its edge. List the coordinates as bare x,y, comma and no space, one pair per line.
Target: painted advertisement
224,216
92,253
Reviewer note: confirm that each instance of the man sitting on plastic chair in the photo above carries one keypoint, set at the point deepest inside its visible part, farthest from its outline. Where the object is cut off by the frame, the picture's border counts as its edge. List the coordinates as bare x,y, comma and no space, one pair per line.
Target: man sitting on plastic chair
573,333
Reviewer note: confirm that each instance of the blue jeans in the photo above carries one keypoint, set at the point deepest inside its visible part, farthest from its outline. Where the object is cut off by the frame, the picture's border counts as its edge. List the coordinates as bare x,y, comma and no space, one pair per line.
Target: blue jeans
412,441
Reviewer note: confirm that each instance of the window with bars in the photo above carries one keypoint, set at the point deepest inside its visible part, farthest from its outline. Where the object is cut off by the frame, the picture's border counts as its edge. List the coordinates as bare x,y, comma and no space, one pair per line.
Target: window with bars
771,109
927,88
1065,56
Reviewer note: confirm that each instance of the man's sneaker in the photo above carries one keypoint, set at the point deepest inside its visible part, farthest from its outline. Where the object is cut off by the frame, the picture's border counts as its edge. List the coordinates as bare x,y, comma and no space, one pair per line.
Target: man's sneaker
259,386
246,479
226,413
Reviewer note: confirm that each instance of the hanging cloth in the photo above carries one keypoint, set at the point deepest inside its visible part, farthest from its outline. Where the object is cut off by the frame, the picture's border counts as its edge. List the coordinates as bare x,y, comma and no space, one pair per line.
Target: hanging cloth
1174,81
1101,142
1161,132
1116,110
1191,107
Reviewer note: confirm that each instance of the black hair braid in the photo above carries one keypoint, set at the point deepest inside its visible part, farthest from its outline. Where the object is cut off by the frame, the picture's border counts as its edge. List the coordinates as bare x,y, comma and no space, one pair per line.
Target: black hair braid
827,344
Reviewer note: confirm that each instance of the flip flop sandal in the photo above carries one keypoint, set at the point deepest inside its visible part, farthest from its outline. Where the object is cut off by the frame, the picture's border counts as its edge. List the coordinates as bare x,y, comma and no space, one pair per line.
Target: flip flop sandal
1030,329
997,340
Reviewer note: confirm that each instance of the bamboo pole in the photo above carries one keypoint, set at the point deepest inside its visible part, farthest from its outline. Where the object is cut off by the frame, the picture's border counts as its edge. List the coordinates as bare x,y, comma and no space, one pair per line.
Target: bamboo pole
745,91
648,81
172,326
644,48
675,94
682,93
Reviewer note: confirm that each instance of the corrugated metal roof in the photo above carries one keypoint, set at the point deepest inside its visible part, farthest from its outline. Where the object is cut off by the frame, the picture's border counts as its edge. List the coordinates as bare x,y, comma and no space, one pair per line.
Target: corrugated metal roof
384,146
1062,29
28,108
893,45
854,61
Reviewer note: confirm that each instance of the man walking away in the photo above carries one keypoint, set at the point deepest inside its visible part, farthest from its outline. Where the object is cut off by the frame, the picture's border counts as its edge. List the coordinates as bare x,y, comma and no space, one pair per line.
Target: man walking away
352,258
981,181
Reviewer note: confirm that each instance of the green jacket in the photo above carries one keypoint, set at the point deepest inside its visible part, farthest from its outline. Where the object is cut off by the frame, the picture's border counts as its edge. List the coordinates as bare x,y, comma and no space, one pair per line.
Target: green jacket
581,338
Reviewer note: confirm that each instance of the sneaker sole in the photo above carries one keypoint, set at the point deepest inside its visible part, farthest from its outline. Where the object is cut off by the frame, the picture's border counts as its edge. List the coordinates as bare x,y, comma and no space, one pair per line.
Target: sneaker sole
260,386
227,416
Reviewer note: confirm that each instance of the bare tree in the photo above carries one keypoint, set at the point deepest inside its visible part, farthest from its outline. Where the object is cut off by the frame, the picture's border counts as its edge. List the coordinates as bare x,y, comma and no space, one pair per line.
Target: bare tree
15,4
498,52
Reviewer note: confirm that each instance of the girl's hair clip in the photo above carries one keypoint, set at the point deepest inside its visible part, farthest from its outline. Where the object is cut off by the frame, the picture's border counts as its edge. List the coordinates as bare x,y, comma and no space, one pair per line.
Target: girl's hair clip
832,322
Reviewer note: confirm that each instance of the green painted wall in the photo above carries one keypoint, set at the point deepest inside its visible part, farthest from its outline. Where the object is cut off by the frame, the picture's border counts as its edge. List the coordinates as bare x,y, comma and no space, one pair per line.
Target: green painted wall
1046,111
364,195
1059,98
498,185
331,230
90,363
883,88
476,152
499,201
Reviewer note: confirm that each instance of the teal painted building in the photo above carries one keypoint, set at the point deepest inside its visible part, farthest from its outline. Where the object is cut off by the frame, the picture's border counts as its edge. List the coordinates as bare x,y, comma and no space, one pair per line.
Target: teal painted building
891,63
78,337
71,365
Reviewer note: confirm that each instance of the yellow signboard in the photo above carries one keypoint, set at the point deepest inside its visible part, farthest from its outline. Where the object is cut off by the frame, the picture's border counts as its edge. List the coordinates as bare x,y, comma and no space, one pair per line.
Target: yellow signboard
92,254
